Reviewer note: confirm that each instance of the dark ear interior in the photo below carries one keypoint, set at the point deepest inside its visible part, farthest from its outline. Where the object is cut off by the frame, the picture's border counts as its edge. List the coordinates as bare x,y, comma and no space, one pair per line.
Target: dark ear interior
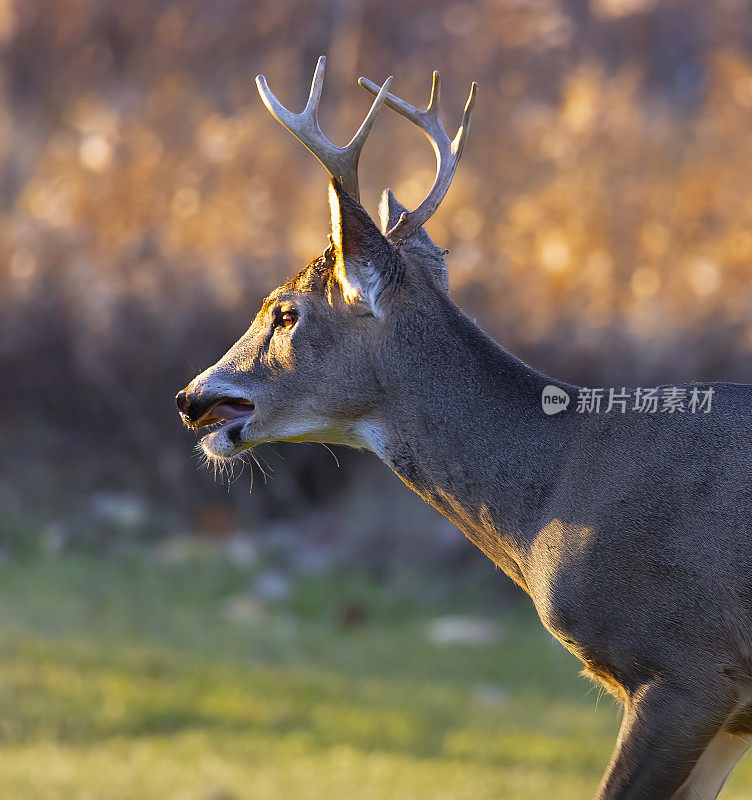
418,249
365,262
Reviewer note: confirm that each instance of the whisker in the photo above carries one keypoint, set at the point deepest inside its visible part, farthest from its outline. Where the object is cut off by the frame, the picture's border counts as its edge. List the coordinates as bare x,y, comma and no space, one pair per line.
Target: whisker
260,466
279,455
326,447
265,463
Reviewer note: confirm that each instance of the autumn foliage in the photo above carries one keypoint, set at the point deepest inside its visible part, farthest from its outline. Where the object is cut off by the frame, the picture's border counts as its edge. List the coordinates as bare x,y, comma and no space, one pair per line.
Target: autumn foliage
600,225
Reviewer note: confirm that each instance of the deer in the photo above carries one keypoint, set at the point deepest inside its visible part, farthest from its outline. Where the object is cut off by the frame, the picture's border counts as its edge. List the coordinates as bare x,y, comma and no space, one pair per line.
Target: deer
630,533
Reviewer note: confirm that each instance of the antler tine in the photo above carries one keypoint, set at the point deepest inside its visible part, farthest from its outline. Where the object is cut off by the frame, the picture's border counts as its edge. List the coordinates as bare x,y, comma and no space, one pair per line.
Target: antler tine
433,103
317,85
341,162
448,151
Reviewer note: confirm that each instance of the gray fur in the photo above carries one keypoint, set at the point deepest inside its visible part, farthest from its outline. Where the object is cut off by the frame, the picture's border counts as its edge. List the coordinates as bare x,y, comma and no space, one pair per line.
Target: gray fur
418,249
632,534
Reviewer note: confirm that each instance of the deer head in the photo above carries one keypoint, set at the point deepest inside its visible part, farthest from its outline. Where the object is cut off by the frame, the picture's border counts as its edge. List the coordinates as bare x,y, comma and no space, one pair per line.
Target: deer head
310,367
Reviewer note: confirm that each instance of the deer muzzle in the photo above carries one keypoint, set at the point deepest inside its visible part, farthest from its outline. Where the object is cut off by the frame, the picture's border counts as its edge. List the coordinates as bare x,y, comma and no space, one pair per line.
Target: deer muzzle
199,410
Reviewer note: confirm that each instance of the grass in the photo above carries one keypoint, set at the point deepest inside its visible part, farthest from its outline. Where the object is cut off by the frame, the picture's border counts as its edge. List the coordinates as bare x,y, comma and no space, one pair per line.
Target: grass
125,678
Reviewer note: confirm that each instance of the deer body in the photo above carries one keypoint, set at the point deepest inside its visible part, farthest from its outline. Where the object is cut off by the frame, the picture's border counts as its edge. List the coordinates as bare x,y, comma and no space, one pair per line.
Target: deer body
621,528
631,533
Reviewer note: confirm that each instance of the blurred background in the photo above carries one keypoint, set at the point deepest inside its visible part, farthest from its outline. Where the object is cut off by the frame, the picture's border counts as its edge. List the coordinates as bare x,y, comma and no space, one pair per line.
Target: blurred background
599,227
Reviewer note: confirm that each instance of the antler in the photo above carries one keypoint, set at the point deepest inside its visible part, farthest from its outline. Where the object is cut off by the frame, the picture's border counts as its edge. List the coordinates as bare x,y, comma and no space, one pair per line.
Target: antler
448,151
341,162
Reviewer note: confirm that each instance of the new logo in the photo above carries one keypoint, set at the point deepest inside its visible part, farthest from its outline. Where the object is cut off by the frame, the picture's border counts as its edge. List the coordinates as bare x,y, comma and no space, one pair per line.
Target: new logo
554,400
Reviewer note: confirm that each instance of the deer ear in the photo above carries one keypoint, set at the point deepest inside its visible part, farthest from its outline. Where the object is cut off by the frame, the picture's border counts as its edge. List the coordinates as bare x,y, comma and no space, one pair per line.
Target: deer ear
418,249
366,264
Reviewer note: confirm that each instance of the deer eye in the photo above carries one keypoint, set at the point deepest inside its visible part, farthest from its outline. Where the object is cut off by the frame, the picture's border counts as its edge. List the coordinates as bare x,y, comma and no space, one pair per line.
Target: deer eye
287,319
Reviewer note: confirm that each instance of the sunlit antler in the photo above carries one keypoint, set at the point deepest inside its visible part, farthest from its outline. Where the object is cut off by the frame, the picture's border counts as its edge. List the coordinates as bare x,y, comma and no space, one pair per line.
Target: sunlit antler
341,162
448,151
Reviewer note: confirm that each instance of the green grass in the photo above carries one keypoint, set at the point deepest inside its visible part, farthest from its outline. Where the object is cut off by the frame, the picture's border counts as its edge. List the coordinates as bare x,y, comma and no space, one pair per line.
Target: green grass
124,678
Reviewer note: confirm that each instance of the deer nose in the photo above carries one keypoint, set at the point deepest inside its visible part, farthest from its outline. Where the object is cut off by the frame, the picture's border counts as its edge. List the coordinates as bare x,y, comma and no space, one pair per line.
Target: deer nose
181,401
193,404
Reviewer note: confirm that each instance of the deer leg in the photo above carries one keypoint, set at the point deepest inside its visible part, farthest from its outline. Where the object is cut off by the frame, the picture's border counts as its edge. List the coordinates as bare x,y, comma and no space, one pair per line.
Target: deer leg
665,731
712,768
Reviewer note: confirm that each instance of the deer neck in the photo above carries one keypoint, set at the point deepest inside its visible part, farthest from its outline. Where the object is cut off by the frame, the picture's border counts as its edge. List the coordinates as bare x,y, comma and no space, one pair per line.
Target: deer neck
462,425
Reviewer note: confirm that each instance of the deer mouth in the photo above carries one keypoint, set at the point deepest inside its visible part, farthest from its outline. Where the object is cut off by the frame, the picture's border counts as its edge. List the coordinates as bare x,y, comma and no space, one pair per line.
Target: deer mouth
225,411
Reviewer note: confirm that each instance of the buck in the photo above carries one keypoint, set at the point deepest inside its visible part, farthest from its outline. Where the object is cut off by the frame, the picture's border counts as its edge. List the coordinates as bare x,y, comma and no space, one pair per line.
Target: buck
630,532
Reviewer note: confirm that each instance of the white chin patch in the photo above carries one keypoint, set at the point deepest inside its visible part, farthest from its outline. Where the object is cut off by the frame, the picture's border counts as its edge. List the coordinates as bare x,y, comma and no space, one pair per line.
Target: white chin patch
225,442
